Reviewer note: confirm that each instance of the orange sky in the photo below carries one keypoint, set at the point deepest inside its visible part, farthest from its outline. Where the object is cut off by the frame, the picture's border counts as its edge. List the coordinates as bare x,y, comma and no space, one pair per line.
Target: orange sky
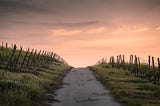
83,32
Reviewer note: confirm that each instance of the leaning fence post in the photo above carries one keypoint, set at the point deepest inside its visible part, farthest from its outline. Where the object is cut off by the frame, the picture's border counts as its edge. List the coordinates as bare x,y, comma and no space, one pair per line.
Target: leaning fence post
29,58
25,56
44,57
38,58
17,58
52,55
11,57
33,58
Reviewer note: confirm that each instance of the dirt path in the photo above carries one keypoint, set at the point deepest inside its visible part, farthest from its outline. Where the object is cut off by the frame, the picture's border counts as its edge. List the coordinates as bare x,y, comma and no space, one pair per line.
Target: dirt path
82,89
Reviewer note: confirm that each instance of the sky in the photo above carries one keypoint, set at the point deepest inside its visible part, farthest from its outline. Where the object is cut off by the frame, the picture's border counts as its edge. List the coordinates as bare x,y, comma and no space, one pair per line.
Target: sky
83,31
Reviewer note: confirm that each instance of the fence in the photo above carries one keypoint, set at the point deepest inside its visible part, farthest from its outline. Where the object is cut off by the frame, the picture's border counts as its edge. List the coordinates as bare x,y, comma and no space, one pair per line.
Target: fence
149,70
16,59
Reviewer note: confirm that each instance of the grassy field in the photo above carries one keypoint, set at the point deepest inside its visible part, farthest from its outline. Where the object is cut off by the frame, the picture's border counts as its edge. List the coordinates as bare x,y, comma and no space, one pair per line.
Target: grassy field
128,89
25,89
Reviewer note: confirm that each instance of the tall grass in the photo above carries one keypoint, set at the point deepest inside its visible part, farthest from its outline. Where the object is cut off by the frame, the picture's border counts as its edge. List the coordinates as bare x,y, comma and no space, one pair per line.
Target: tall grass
24,89
127,88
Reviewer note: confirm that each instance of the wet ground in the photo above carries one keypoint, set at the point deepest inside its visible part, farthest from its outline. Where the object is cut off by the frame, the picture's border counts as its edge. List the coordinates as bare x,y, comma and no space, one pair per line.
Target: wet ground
81,88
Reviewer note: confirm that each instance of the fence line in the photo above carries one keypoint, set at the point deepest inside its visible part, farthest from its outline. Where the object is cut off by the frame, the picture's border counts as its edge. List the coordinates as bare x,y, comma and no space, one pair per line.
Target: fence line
14,59
136,66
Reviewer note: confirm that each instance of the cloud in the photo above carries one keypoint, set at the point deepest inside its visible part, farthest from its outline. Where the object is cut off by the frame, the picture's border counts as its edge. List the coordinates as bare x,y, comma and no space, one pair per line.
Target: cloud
101,43
79,24
57,24
96,30
133,28
77,32
64,32
14,7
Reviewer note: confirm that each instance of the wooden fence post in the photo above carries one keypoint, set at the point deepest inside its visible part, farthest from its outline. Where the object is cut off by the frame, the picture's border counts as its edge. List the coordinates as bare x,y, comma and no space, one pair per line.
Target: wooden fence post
139,64
118,62
2,52
154,70
158,64
29,58
123,62
132,59
52,55
0,56
33,58
25,56
123,59
136,66
149,67
44,57
112,61
9,64
38,58
6,45
17,58
158,68
129,67
47,56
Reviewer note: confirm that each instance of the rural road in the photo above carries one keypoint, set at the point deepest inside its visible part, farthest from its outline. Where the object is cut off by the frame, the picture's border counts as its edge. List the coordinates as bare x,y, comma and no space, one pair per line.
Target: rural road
81,88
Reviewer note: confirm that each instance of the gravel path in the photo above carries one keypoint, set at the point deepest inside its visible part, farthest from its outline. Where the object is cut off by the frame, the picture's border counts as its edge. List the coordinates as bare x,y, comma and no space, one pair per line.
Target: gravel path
81,88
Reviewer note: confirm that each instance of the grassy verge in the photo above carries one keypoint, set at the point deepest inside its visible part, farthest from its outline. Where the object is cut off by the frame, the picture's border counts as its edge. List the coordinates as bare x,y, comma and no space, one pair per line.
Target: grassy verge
26,89
129,90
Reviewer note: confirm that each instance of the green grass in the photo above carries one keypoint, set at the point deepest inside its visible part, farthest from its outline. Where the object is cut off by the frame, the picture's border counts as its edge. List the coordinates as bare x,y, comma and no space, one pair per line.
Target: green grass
25,89
128,89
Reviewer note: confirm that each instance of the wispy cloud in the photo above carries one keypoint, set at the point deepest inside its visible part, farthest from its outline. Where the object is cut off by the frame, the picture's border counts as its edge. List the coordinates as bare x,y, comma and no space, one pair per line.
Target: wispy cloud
52,23
132,29
64,32
96,30
70,32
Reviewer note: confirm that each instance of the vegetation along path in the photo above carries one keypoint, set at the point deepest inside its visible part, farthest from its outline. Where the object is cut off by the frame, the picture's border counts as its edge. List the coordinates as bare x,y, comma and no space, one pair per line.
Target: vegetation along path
81,88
